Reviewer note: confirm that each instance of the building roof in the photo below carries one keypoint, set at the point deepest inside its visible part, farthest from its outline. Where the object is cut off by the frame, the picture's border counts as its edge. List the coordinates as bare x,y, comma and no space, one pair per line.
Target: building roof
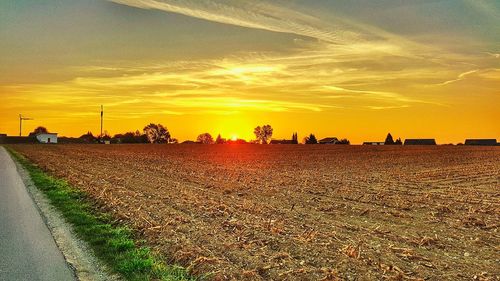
373,142
481,142
281,142
37,134
420,142
329,139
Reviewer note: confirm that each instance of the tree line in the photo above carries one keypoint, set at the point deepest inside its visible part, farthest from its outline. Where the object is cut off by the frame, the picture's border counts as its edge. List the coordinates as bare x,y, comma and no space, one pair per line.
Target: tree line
159,134
152,133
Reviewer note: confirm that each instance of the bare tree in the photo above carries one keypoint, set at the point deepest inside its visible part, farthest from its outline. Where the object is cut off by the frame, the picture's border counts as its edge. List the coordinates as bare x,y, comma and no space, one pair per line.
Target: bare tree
205,138
157,133
263,134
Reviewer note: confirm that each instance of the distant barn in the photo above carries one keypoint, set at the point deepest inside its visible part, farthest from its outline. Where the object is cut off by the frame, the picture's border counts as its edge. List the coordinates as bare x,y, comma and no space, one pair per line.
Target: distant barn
46,137
373,143
281,142
484,142
332,140
420,142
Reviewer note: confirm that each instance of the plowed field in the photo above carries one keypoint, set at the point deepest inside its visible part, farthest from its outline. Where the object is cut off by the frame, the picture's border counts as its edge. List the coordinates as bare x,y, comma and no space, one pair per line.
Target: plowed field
298,212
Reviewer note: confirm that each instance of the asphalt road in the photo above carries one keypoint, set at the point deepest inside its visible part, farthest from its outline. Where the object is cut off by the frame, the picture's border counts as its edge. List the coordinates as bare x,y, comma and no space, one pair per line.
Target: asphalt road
27,248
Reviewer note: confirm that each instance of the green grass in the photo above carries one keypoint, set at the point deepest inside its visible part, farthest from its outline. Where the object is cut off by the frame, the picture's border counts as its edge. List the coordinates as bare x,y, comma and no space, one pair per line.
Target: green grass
112,243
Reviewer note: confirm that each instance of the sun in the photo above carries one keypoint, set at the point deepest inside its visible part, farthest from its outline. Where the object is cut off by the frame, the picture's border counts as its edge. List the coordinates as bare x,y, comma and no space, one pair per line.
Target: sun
234,137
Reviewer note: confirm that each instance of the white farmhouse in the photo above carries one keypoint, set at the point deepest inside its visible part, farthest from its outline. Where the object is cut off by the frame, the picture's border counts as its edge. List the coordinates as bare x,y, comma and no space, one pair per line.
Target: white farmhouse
47,137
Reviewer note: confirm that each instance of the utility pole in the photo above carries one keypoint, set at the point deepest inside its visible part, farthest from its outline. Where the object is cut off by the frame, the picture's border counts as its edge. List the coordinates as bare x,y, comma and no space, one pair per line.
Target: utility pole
21,119
102,114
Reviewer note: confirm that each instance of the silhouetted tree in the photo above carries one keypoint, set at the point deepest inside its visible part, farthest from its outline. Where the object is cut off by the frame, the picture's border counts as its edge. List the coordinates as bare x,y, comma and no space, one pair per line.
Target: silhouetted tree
104,137
344,141
256,132
140,137
157,133
39,130
219,140
389,140
130,137
237,141
295,138
311,139
174,140
88,137
205,138
398,141
263,134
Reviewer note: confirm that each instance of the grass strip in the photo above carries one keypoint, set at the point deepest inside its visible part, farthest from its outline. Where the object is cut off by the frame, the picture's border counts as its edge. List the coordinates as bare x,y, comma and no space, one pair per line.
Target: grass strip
112,243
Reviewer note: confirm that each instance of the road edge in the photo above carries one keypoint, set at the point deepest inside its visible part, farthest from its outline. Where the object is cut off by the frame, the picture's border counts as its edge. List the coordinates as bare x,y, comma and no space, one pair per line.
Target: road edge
77,253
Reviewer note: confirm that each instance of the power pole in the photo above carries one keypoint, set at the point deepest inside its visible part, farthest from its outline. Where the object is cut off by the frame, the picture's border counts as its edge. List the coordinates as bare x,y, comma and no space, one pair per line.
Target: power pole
21,119
102,114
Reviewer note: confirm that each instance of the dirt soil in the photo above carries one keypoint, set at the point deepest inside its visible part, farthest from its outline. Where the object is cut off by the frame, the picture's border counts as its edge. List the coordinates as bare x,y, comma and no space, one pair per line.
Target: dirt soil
299,212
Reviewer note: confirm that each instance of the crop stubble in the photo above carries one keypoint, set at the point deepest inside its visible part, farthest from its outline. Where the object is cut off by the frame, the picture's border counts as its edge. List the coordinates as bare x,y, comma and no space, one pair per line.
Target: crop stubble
295,212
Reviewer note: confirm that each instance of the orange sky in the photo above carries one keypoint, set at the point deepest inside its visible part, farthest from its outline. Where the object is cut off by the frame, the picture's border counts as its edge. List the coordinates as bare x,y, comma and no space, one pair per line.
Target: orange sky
349,69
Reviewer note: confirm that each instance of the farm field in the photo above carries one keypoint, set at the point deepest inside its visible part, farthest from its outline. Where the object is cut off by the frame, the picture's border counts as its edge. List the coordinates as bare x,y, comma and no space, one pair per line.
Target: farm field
299,212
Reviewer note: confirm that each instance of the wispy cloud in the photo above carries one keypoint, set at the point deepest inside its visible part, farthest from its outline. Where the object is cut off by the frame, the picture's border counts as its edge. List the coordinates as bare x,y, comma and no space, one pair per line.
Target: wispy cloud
311,81
375,99
281,17
253,14
486,74
495,55
461,76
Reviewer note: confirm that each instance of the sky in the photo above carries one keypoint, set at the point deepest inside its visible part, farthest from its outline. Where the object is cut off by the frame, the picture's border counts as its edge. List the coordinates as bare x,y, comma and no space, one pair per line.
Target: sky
354,69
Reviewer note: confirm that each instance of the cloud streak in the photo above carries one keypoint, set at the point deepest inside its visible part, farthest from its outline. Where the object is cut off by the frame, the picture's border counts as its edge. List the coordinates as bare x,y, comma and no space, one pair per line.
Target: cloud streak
461,76
308,82
259,15
333,34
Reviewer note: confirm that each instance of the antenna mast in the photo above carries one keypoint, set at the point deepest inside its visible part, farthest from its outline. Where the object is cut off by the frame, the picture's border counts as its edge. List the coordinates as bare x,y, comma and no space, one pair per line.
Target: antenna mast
102,114
21,119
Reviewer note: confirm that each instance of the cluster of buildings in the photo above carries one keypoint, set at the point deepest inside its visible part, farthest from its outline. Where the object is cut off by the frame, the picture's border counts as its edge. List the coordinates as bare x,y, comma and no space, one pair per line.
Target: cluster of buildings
408,142
32,138
334,140
482,142
488,142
